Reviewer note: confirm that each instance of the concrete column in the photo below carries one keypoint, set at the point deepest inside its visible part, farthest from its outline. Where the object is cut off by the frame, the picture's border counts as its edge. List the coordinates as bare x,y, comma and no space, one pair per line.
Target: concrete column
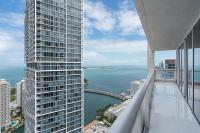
150,59
178,67
185,71
150,65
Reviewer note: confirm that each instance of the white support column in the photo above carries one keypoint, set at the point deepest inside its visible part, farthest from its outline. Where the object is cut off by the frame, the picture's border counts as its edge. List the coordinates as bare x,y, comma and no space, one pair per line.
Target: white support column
185,76
150,59
150,65
177,67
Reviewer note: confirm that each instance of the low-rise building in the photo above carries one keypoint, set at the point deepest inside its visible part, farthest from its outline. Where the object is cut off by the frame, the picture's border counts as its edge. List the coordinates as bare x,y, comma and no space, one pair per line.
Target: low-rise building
170,64
135,85
114,111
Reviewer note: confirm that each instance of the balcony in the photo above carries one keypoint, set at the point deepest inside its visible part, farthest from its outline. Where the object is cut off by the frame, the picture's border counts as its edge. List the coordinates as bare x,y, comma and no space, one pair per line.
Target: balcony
169,101
157,107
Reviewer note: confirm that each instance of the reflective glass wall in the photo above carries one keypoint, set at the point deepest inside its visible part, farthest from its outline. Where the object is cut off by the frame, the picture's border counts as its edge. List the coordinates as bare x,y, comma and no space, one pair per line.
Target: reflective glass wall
181,62
196,44
192,51
190,69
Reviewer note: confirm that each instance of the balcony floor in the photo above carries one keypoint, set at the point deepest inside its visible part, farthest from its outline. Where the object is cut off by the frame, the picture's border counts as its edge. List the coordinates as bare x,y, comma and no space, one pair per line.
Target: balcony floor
170,113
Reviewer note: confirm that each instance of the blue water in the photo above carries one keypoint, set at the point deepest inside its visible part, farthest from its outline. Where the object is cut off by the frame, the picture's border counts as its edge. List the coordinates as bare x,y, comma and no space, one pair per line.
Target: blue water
12,75
114,79
13,123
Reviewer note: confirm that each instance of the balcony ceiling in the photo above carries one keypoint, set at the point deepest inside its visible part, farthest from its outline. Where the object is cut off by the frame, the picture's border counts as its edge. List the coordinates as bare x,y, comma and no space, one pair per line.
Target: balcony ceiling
167,22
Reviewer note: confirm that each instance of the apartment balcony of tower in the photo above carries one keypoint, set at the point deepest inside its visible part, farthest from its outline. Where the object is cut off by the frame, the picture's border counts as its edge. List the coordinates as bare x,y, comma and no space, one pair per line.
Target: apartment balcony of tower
167,104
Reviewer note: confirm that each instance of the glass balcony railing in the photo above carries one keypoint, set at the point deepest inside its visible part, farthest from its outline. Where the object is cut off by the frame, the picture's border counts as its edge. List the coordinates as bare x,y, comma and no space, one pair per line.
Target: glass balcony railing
135,118
165,75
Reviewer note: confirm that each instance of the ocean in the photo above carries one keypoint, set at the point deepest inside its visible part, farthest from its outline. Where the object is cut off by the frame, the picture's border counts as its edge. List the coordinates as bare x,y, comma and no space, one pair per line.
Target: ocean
115,79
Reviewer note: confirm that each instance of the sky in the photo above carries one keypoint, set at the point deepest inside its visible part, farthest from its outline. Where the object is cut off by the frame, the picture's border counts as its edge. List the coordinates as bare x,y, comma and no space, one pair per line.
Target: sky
113,34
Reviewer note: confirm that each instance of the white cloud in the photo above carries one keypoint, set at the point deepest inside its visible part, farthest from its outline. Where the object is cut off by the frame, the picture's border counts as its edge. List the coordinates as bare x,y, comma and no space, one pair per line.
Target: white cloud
114,52
11,48
12,19
98,16
93,58
117,46
129,21
97,52
124,21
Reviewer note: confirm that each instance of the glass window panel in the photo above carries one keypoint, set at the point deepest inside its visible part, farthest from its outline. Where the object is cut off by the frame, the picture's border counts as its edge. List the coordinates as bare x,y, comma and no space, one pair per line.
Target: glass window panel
181,67
197,70
190,67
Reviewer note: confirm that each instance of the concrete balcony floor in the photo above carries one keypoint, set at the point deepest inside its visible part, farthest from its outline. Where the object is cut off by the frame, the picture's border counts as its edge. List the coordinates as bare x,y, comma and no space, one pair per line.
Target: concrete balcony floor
170,113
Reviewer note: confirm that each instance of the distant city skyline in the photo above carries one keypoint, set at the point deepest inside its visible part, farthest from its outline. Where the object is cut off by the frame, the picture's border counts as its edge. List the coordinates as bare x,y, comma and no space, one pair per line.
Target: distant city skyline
113,34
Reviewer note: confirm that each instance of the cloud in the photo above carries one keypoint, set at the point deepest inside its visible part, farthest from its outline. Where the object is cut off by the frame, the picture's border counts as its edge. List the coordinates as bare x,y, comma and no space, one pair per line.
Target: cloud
129,21
11,47
12,19
93,58
116,46
122,21
114,52
98,16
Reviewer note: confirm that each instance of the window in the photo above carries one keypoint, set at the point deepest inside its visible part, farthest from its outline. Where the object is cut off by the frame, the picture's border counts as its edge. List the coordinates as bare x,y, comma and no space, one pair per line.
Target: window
190,68
196,67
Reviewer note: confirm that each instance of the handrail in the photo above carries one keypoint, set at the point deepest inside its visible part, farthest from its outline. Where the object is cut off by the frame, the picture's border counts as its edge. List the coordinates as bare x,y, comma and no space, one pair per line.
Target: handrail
136,116
165,75
165,69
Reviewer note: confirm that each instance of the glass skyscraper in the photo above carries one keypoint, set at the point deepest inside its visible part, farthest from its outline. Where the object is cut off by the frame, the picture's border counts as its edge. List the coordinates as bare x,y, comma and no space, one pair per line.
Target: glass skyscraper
5,88
53,55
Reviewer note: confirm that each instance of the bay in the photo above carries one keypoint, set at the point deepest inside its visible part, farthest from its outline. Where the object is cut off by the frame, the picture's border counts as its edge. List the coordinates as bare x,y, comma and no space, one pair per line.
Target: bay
115,79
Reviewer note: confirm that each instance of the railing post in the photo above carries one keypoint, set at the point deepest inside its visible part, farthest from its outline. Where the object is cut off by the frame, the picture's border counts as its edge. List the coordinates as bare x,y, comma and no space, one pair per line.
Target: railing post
150,64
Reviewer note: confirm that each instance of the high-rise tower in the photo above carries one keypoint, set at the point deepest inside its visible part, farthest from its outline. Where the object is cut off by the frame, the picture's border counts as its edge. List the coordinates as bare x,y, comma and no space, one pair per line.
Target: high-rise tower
20,88
4,103
53,56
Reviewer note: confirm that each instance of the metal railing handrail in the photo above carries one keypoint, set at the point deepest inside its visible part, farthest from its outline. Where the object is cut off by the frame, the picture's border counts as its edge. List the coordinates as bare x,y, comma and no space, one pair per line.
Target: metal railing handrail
165,69
168,75
136,116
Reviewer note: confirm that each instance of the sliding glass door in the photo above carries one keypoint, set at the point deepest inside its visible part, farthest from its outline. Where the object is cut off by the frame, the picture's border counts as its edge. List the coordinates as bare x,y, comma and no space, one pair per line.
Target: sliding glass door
193,72
197,70
190,69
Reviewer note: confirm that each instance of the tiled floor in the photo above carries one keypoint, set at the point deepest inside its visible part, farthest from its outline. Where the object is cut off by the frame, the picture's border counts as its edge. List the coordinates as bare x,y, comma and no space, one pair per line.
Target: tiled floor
170,112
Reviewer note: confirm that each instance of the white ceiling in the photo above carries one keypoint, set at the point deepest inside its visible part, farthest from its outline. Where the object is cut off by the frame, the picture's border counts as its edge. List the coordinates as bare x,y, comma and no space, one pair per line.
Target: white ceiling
167,22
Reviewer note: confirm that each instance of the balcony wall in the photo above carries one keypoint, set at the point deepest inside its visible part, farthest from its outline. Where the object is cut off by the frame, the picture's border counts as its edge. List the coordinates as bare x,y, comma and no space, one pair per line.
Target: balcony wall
169,112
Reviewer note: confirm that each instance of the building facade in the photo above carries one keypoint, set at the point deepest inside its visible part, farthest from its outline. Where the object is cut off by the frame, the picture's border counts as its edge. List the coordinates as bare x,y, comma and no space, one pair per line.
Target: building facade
170,64
4,103
19,87
170,67
136,85
53,56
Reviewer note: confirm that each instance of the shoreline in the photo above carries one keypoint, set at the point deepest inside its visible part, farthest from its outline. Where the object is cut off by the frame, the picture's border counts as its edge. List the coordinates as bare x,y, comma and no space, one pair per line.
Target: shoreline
91,124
